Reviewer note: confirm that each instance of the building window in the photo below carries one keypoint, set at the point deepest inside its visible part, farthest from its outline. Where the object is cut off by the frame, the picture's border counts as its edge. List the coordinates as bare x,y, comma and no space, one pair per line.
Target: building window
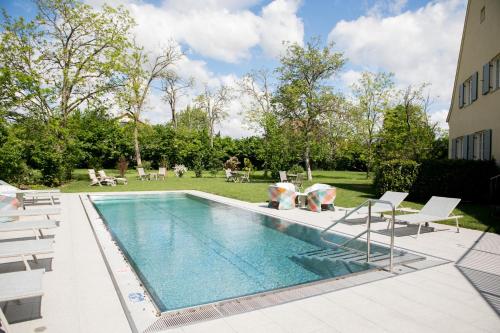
467,91
459,148
483,14
477,150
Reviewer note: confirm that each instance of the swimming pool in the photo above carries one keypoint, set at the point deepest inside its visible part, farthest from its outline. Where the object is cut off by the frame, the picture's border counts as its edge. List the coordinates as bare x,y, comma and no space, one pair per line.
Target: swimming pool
190,251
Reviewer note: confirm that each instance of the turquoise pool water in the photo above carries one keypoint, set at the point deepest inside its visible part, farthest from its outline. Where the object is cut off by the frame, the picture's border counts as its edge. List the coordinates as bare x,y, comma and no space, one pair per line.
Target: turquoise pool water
190,251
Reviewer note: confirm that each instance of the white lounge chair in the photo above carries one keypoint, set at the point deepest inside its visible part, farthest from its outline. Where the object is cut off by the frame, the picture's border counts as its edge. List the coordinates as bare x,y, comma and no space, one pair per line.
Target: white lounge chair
26,248
436,209
395,198
38,197
162,172
116,180
35,226
17,286
30,212
94,180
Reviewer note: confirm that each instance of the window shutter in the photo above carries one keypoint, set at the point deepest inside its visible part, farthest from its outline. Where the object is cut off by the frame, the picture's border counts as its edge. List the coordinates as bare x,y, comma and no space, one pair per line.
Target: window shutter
474,80
461,95
486,78
470,147
487,144
453,149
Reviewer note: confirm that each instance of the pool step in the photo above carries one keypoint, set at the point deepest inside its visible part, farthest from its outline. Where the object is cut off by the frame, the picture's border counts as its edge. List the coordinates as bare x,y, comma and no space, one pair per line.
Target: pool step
325,261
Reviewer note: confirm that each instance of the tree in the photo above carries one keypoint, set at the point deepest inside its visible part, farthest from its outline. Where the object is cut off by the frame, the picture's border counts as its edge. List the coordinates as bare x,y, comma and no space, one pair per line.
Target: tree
67,56
407,132
140,74
373,92
214,103
173,86
256,85
303,95
193,119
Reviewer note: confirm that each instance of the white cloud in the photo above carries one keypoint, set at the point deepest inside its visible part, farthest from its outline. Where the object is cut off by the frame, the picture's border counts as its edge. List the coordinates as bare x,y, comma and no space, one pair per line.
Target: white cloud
393,7
224,30
219,29
439,117
417,46
280,23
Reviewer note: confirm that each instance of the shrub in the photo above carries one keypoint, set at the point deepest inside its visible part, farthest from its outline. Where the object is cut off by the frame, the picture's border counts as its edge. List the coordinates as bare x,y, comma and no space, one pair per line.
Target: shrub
395,175
197,167
248,166
232,163
296,169
180,170
122,166
464,179
12,165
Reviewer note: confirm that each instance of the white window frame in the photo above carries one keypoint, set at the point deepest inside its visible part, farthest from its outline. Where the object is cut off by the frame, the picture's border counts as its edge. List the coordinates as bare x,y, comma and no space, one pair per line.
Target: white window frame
467,91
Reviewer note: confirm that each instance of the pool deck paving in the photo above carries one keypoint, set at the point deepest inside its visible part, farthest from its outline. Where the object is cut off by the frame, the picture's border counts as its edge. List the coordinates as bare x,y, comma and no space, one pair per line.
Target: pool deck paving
459,295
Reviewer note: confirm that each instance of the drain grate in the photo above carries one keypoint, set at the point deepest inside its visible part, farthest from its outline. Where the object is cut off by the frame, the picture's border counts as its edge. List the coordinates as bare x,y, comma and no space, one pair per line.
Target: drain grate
245,304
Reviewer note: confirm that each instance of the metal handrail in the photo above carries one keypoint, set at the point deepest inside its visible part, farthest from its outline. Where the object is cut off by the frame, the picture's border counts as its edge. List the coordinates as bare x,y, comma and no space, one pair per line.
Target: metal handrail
368,202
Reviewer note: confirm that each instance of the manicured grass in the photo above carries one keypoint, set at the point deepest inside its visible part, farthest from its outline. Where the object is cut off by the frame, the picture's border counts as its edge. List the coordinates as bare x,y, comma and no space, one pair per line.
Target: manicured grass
353,189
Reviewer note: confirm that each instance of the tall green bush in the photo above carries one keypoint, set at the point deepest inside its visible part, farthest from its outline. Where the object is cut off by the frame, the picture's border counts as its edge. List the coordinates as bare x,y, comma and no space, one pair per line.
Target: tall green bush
467,180
395,175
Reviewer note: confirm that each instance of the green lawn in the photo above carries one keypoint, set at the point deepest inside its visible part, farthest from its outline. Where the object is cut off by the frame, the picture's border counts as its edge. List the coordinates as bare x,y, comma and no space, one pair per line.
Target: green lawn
353,189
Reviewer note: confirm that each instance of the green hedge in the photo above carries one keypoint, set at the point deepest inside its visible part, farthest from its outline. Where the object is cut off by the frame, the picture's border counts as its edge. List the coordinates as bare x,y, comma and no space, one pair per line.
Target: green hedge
467,180
395,175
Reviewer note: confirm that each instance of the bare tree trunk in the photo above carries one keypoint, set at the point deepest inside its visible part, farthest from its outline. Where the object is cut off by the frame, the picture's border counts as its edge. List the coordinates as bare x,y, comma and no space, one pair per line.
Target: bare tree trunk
136,146
174,120
308,164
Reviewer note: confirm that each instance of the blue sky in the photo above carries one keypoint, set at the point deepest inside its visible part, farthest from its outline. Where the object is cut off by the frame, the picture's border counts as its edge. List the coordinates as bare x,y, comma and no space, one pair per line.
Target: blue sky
418,40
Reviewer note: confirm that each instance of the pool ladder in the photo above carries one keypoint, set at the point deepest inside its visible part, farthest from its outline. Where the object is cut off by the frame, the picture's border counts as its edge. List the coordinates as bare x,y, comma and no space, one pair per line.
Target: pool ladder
368,203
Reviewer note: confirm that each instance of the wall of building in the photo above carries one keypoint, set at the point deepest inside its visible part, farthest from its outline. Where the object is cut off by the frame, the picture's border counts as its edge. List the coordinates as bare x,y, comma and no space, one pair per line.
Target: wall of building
481,44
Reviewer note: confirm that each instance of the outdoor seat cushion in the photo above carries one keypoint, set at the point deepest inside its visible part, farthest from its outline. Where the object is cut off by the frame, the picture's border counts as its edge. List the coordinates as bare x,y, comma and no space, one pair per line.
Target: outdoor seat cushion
8,203
281,198
322,198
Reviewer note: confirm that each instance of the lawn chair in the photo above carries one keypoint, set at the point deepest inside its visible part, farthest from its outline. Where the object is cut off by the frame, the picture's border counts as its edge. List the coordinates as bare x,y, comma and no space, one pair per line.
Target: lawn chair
117,180
162,172
245,177
298,181
94,180
143,175
17,286
395,198
229,176
283,178
436,209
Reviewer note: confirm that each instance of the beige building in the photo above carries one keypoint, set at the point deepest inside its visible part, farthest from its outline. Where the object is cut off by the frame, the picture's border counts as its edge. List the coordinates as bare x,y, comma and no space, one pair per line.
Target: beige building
474,116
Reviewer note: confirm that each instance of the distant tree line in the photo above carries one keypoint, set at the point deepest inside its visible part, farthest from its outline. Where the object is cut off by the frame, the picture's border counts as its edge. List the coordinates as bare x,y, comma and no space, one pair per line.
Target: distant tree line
74,88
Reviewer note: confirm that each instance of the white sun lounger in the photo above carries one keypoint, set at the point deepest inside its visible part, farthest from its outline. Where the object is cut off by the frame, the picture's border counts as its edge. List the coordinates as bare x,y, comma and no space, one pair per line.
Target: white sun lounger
17,286
36,225
30,212
26,248
436,209
395,198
